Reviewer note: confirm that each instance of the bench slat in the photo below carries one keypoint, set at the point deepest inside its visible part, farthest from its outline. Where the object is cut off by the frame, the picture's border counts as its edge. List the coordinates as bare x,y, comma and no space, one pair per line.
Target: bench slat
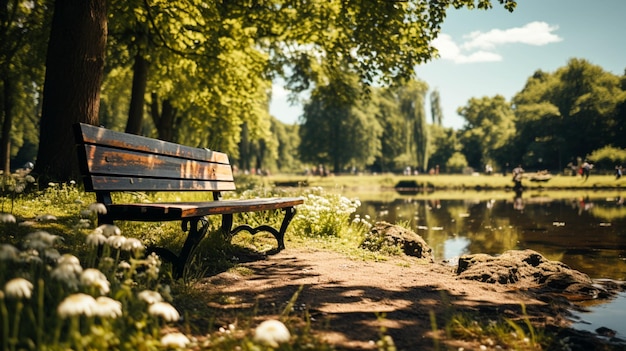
179,210
107,161
125,183
88,134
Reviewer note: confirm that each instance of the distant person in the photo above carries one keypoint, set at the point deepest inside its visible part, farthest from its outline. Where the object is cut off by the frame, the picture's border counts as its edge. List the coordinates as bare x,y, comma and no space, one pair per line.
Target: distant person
586,169
518,174
618,172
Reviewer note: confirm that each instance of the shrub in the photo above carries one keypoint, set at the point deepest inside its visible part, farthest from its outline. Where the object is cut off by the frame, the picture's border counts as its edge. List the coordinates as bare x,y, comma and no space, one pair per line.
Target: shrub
324,214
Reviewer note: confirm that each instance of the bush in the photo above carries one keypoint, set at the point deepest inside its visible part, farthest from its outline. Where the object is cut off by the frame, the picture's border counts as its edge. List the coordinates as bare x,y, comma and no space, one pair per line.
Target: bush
324,214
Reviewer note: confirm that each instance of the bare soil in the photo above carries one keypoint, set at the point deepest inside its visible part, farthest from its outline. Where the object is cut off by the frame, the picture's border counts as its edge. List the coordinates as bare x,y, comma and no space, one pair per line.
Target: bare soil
350,300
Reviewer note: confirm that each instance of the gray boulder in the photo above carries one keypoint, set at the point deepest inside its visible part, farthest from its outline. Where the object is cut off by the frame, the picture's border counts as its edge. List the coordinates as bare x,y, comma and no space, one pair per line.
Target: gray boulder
385,235
529,269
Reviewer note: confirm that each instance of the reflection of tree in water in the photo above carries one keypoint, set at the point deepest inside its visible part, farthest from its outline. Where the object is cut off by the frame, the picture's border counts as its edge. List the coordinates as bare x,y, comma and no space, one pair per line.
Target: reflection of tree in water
488,230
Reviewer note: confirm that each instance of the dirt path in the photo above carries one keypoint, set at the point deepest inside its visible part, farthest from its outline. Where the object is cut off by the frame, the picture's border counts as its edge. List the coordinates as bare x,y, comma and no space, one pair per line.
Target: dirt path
344,297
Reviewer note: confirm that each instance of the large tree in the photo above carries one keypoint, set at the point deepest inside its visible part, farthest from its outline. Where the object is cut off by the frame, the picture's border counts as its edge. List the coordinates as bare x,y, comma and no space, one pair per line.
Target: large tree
74,69
489,127
567,114
411,99
339,129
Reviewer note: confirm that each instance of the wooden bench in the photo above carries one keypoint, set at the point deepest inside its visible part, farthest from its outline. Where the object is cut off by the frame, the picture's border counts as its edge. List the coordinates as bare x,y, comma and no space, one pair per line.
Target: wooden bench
111,161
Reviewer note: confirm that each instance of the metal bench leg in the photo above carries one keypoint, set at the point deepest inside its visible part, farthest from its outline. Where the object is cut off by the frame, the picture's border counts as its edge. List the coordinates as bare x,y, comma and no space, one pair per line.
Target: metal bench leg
195,235
290,212
197,228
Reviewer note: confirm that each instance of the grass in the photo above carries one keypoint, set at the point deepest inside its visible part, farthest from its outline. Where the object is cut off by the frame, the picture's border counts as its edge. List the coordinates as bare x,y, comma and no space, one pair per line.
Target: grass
62,210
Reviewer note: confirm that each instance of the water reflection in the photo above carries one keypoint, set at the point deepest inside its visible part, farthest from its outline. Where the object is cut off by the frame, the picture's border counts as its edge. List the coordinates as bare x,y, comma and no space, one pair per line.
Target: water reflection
585,231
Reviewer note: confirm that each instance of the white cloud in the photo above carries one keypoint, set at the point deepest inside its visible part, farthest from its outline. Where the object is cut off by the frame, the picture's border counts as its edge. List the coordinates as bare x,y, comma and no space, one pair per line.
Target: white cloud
534,33
446,46
449,50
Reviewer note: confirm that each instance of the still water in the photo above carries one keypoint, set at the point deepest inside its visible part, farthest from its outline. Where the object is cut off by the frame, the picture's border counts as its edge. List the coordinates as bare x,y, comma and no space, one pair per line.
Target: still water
585,230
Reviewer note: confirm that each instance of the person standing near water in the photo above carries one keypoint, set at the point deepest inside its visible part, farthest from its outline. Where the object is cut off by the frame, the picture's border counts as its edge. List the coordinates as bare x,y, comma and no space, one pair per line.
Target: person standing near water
518,173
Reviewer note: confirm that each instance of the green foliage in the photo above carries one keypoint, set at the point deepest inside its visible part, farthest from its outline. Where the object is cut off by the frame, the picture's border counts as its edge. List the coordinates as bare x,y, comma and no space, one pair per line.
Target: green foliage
444,144
339,128
13,185
567,114
411,99
607,158
456,163
488,130
24,27
324,214
500,333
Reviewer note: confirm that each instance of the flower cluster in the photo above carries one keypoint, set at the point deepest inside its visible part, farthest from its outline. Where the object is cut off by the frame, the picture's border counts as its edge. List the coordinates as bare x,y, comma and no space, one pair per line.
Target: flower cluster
85,297
324,214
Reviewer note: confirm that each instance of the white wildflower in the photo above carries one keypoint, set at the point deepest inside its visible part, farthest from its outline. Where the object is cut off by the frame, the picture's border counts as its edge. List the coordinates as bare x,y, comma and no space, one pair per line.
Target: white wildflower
18,288
150,296
8,252
176,340
124,265
98,208
107,307
164,310
46,218
272,332
116,241
51,254
83,224
67,273
77,304
40,240
85,214
69,259
94,278
96,239
7,218
109,230
31,256
132,244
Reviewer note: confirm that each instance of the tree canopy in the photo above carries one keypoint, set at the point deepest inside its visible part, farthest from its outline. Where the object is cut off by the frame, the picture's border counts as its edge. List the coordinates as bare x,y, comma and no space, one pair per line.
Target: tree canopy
210,65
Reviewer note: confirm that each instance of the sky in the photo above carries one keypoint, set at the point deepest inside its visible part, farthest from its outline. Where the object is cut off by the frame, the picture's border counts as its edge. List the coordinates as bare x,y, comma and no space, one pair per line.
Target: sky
486,53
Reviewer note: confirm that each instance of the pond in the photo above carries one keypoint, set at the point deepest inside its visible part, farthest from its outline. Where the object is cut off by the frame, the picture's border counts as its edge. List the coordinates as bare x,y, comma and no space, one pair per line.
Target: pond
583,229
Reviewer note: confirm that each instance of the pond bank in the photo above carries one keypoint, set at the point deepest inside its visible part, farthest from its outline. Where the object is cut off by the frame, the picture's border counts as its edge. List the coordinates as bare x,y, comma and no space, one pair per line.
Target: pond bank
447,182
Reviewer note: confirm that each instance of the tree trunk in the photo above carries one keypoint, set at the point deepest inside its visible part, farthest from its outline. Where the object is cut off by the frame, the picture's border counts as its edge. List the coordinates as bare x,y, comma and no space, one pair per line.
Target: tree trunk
138,95
7,124
74,70
165,120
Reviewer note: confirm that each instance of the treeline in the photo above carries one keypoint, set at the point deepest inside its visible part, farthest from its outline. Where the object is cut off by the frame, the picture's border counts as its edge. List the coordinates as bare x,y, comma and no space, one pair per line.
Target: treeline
557,121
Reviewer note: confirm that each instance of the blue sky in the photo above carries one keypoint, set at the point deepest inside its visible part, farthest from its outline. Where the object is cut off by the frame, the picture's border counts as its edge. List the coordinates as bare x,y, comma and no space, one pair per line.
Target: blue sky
484,53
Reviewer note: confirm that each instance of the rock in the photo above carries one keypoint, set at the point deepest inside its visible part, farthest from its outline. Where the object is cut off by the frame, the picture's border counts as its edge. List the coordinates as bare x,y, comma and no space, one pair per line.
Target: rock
386,234
529,269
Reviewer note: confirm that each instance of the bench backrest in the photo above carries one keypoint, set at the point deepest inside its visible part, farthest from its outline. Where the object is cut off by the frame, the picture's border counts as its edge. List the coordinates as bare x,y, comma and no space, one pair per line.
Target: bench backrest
114,161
